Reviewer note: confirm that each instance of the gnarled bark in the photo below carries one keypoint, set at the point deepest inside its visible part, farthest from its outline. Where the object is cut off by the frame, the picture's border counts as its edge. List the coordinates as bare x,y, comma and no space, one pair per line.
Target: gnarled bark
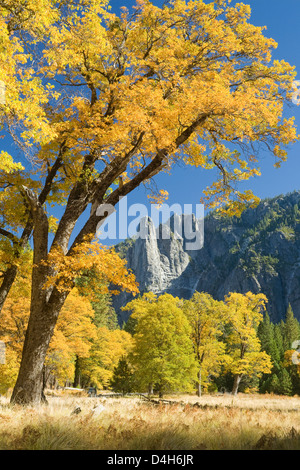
47,303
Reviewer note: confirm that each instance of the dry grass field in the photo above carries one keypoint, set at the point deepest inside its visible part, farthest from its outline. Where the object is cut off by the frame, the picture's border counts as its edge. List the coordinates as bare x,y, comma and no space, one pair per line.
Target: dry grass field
245,422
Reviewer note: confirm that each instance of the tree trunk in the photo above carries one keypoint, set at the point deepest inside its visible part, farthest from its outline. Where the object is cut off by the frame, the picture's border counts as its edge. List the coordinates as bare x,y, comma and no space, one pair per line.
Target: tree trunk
150,389
8,281
30,384
77,374
43,317
46,305
236,383
44,384
44,309
199,388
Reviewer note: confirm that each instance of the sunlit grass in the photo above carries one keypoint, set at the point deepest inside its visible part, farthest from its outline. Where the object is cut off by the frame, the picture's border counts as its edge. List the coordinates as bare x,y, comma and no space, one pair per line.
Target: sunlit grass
243,422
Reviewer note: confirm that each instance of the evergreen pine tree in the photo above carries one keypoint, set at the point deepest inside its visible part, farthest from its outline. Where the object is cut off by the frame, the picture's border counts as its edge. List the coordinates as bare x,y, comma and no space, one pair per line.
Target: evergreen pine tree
90,285
105,314
280,384
274,384
278,337
285,334
122,380
266,334
291,330
286,385
130,325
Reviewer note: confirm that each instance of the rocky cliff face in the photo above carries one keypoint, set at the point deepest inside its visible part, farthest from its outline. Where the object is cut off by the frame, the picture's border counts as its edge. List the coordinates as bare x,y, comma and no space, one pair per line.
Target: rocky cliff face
259,252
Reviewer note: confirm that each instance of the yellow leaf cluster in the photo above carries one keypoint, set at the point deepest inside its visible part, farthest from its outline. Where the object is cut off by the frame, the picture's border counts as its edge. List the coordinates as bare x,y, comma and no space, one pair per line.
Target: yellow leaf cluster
96,83
109,347
90,256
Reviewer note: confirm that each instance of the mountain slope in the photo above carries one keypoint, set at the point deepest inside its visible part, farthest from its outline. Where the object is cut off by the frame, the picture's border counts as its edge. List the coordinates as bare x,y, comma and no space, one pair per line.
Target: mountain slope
260,252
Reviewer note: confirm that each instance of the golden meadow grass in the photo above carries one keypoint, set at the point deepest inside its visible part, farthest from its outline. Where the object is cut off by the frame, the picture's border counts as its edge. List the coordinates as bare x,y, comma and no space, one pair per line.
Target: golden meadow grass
223,423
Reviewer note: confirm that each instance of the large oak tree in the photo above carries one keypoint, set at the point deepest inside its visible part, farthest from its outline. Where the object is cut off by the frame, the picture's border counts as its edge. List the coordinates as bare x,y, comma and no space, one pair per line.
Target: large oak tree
94,99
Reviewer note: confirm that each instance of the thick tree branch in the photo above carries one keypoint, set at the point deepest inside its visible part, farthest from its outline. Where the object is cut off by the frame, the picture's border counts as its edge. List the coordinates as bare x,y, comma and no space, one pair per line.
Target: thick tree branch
146,173
11,236
41,226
